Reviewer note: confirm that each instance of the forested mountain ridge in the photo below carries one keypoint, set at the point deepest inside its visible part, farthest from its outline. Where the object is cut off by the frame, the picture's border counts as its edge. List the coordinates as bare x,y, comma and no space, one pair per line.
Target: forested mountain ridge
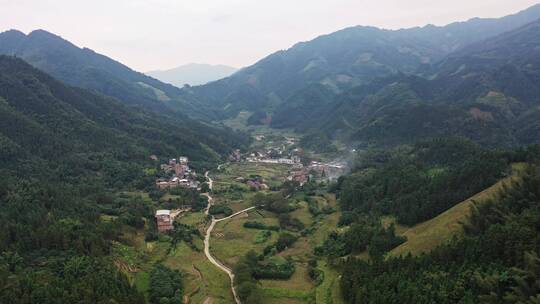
508,63
487,92
348,58
82,67
45,122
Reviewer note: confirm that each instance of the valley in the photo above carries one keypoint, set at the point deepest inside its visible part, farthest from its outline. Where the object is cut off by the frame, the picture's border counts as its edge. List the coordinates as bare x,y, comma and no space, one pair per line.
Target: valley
239,221
368,165
224,238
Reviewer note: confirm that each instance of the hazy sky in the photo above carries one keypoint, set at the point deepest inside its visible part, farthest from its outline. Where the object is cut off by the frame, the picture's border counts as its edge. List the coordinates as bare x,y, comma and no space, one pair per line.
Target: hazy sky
158,34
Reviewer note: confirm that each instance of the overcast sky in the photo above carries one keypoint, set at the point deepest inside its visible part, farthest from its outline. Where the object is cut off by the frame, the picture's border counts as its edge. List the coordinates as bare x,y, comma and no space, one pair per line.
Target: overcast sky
160,34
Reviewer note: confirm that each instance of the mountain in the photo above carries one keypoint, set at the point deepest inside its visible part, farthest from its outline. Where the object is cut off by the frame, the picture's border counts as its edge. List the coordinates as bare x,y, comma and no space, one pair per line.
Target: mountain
87,69
47,125
487,91
193,74
345,59
509,63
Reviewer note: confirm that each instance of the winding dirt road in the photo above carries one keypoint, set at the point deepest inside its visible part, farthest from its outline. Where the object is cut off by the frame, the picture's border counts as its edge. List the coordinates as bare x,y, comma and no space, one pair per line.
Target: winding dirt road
209,233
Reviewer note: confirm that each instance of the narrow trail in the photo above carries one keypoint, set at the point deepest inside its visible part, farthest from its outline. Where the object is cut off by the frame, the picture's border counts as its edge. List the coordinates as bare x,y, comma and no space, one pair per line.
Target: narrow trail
209,233
210,186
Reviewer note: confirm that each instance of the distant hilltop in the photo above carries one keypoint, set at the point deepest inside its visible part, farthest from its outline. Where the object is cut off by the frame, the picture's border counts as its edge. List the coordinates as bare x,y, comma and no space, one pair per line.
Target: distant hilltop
193,74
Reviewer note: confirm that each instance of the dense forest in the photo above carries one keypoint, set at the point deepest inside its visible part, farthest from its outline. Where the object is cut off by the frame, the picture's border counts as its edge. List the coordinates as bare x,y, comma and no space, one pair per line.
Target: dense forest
53,127
496,261
55,247
371,87
418,182
294,84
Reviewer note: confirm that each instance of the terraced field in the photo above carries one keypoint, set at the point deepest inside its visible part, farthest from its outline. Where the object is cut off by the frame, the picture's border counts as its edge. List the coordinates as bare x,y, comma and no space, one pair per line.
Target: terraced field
231,240
204,282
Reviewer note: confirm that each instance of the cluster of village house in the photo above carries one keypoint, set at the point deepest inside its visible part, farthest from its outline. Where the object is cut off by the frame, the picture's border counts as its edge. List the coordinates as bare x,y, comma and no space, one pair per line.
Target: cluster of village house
275,156
181,175
317,171
254,182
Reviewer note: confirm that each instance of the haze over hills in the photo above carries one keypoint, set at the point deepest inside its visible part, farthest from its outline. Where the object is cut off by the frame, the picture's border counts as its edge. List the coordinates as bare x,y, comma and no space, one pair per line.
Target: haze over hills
193,74
487,92
286,84
87,69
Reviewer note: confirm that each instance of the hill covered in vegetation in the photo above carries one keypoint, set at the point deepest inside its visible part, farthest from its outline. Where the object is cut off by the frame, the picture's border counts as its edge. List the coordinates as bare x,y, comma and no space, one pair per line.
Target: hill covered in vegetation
345,59
82,67
49,124
366,86
493,258
65,153
495,262
487,92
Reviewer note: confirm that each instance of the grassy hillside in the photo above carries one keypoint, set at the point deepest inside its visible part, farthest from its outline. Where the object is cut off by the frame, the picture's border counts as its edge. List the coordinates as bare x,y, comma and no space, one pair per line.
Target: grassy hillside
495,259
428,235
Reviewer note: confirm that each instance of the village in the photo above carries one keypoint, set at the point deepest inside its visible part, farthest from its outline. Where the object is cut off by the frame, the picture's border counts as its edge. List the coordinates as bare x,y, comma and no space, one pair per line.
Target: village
286,153
179,174
218,209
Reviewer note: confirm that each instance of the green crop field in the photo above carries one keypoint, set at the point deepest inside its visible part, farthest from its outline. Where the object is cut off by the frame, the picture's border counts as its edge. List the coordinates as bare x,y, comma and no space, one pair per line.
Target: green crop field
273,174
230,240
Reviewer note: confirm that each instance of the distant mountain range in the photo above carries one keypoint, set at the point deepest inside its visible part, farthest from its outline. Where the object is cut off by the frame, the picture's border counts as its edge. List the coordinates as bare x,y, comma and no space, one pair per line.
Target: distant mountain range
193,74
362,85
478,79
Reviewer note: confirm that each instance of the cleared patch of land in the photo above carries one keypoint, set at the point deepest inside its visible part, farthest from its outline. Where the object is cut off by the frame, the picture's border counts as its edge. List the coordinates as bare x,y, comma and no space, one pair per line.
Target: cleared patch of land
230,240
300,281
273,174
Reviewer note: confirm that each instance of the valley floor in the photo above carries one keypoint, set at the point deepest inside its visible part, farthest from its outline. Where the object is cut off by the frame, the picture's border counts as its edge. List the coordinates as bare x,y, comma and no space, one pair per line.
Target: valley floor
229,240
207,265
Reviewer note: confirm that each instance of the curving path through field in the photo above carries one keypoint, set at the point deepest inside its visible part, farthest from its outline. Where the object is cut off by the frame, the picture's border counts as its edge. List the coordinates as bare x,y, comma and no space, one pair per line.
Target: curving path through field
209,233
